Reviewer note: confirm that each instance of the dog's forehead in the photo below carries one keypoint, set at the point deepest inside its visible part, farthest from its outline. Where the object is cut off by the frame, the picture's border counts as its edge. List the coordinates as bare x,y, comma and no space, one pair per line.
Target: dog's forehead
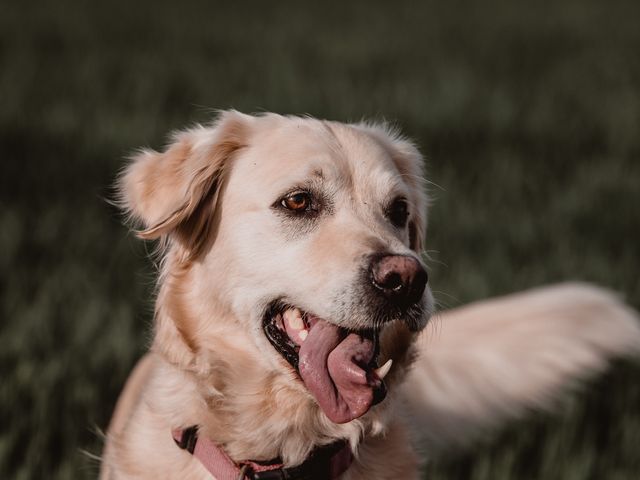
297,150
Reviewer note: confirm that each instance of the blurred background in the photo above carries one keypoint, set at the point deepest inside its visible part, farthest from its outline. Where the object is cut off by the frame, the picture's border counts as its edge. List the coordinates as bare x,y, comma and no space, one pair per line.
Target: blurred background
528,114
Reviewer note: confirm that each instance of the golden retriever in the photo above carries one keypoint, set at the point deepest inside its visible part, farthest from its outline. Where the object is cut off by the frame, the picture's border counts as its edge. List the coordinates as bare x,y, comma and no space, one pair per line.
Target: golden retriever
291,297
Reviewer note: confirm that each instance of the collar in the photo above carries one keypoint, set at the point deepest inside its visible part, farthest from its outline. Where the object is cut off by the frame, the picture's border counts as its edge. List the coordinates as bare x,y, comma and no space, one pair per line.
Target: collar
324,463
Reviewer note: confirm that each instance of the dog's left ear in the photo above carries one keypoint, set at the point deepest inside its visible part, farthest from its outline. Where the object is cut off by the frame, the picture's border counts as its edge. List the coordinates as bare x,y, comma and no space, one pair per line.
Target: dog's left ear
410,164
174,193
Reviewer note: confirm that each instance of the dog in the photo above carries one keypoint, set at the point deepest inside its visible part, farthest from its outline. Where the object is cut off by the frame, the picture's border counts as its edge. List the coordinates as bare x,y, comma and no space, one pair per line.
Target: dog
289,336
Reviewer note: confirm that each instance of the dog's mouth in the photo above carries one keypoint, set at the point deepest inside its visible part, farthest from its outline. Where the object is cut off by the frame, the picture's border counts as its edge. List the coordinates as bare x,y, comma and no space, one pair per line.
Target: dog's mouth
338,366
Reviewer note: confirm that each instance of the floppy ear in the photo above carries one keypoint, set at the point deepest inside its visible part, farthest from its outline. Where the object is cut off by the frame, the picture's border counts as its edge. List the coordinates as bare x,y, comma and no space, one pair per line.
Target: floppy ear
174,193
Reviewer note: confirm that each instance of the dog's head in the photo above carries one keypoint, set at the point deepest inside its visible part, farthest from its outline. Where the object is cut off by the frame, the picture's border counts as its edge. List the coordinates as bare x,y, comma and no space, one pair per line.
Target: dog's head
295,238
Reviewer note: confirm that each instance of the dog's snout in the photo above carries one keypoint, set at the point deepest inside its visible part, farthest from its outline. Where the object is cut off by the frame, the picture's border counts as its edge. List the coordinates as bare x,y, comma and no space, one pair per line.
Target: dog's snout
400,277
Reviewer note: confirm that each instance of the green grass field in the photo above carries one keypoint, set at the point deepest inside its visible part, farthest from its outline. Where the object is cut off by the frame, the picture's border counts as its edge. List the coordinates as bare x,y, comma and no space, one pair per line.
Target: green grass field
529,115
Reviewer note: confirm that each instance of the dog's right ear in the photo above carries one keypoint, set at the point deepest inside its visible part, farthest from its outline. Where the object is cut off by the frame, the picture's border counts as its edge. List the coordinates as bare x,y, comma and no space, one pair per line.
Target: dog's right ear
174,193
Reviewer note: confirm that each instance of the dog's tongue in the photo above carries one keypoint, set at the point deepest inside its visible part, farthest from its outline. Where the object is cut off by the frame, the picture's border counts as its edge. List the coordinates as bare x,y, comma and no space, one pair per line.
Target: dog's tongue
334,369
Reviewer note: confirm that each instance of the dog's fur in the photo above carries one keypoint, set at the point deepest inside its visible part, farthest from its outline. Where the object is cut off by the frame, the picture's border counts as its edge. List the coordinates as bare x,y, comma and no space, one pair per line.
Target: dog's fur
227,251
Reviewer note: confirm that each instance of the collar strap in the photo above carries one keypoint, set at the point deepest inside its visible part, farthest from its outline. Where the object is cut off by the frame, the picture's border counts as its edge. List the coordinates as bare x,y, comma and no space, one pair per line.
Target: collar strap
324,463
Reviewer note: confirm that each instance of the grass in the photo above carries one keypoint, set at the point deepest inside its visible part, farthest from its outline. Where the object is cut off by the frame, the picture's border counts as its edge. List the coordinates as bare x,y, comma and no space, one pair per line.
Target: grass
529,114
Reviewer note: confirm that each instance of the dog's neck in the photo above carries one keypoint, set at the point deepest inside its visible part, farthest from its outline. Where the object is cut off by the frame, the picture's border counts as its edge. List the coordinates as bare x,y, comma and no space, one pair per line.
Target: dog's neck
253,413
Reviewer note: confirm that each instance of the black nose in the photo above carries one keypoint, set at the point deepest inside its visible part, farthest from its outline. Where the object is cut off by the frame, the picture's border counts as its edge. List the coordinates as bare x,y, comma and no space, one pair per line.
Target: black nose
400,277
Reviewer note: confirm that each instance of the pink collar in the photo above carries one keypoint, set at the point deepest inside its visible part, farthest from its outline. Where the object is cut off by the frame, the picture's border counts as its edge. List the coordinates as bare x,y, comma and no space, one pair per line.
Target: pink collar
324,463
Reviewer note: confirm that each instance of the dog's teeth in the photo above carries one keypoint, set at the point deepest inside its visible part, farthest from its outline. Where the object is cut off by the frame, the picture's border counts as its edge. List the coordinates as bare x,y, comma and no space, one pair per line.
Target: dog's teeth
303,334
382,371
294,318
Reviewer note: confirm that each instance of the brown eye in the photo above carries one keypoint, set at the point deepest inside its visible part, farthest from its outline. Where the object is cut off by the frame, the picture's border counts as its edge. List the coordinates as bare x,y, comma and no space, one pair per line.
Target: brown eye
297,202
398,212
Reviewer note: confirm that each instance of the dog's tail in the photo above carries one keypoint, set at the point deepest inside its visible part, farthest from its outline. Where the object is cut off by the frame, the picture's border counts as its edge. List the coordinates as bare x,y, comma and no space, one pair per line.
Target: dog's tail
491,361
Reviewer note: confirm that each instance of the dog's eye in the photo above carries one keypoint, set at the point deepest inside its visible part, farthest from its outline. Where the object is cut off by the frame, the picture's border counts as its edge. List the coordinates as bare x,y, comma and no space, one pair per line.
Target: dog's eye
398,212
297,202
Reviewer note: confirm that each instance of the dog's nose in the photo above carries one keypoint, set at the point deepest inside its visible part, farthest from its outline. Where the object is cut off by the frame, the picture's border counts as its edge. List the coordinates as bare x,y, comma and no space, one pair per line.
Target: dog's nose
400,277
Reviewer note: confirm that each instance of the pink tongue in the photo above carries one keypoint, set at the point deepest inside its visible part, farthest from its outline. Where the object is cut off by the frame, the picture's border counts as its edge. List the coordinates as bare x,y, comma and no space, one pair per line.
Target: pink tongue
330,365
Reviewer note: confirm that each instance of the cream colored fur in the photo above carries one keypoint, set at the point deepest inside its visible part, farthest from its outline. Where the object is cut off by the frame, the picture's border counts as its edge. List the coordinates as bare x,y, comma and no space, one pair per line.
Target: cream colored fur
226,253
491,361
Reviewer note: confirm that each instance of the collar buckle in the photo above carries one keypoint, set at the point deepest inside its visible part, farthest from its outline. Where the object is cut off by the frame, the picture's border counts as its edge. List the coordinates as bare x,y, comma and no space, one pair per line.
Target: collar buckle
187,441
